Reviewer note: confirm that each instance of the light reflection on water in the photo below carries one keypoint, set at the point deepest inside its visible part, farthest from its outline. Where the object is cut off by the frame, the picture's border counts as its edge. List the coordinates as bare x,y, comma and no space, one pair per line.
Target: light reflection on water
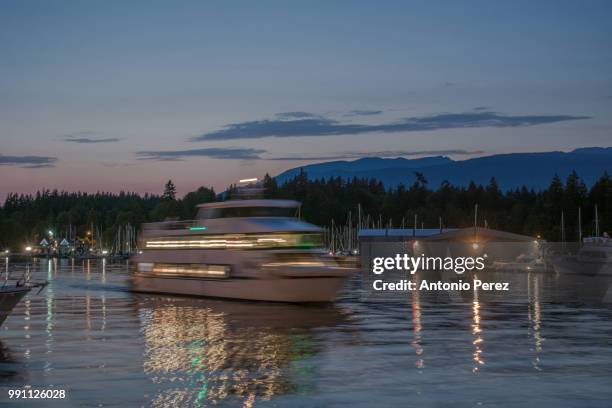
477,333
549,338
218,350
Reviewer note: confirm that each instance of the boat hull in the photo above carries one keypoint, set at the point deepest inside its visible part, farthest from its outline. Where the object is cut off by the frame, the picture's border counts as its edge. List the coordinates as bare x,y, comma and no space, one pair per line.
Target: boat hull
572,265
294,290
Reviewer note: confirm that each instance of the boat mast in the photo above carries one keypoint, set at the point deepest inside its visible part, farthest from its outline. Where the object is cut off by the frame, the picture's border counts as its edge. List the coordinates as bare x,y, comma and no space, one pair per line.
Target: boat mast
579,225
563,228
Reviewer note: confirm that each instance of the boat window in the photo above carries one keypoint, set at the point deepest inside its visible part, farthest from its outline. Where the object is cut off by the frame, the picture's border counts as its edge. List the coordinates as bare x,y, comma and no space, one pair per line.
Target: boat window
236,212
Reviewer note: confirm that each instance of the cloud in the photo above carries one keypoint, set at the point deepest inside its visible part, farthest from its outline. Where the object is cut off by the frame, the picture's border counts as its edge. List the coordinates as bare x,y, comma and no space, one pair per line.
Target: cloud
328,127
89,140
213,153
359,112
279,128
29,162
86,137
238,153
385,153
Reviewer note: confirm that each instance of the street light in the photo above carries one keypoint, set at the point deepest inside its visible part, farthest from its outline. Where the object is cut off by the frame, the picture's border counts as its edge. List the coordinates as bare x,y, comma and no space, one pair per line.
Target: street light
28,249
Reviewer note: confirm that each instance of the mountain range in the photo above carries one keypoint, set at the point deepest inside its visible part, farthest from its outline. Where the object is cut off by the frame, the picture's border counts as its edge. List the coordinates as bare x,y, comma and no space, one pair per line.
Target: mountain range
513,170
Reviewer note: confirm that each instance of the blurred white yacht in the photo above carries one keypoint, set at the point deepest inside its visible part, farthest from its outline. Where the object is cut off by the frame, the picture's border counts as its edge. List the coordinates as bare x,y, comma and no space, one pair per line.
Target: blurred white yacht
253,249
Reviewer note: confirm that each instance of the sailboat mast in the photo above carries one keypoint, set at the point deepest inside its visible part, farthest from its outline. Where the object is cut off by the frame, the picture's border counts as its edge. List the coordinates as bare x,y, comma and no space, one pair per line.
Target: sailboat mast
562,227
579,224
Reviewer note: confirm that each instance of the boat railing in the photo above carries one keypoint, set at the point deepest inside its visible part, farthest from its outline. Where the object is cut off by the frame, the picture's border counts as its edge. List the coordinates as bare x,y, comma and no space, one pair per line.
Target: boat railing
598,241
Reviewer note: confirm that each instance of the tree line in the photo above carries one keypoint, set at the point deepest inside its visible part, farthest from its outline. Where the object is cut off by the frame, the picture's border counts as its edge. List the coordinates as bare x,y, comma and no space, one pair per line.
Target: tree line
521,210
25,218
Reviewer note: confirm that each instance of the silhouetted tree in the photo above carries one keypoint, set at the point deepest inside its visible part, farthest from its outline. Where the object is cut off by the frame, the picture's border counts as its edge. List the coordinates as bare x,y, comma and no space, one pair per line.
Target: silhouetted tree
270,186
169,191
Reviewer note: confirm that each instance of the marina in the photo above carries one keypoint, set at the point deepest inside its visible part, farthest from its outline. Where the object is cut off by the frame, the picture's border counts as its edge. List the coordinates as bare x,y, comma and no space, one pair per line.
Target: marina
247,304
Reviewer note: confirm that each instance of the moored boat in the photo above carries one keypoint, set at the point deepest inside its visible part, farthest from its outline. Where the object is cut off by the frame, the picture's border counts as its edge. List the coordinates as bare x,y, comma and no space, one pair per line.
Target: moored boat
521,263
594,258
11,293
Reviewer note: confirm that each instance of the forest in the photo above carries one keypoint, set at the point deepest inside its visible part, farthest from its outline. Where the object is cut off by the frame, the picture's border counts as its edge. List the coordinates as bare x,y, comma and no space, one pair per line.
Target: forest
24,219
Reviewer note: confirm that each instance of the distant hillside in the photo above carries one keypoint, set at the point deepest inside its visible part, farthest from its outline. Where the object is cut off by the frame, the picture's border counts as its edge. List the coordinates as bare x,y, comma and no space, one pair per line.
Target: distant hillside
345,168
534,170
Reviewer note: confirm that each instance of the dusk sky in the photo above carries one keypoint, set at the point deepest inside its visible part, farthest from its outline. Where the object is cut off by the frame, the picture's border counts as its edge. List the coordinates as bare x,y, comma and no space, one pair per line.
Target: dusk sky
126,95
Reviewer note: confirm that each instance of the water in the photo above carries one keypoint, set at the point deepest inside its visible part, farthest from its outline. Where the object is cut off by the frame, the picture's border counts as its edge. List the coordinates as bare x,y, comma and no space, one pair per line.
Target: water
547,342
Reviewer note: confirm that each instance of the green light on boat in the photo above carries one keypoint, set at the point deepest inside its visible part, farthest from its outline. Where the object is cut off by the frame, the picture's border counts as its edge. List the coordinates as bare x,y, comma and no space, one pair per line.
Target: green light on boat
197,228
